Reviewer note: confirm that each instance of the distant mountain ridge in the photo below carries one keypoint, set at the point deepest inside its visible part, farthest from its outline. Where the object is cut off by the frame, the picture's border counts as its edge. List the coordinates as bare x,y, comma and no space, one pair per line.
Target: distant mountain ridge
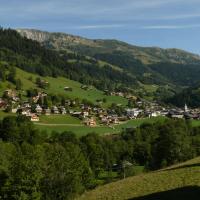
147,55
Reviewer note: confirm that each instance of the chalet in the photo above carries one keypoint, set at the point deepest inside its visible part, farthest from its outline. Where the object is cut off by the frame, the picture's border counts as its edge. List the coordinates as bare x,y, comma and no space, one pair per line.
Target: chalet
67,102
139,103
188,115
10,93
131,97
90,122
164,113
3,104
154,114
132,113
47,111
34,118
73,102
120,94
101,111
16,99
42,94
63,110
86,108
67,88
105,120
84,87
35,99
112,119
55,110
26,105
101,116
115,120
76,114
24,111
176,114
14,110
38,109
85,114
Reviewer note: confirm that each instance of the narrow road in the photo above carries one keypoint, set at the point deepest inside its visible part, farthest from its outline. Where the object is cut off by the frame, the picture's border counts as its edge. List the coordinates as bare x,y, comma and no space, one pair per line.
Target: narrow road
43,124
72,125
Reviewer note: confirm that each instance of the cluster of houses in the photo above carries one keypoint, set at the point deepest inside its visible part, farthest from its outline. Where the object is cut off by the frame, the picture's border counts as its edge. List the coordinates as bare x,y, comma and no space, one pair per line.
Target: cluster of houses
121,94
91,114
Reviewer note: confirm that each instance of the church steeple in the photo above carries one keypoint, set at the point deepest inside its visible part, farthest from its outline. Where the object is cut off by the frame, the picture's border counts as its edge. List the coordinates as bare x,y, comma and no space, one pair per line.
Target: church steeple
186,108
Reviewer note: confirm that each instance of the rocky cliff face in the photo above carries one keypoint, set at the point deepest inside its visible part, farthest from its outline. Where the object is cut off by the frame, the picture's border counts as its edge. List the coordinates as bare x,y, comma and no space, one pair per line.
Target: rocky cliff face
61,38
39,36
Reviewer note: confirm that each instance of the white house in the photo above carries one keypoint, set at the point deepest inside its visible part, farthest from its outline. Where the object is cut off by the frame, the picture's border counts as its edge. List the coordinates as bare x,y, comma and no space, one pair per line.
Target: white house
133,112
38,109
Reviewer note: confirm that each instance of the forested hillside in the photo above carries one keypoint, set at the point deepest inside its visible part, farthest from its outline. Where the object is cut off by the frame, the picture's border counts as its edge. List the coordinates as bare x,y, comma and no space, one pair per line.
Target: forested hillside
34,165
29,55
190,96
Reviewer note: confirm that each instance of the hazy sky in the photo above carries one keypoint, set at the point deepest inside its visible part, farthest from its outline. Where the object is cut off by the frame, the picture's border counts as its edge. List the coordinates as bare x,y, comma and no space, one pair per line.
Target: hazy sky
164,23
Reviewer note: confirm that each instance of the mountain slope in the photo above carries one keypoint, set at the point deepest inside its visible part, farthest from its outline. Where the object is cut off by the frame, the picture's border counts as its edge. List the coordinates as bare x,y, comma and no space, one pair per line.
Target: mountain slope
92,47
29,55
172,183
148,64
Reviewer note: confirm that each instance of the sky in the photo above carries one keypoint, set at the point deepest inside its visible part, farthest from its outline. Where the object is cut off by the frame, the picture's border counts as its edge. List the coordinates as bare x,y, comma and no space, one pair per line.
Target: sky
161,23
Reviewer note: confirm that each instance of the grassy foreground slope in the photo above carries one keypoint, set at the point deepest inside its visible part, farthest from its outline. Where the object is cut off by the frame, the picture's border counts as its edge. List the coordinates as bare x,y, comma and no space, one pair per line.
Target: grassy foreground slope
181,180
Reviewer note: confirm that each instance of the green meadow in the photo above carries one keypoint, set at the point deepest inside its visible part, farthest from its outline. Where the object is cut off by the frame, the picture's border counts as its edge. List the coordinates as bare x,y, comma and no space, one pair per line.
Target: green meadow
57,86
49,125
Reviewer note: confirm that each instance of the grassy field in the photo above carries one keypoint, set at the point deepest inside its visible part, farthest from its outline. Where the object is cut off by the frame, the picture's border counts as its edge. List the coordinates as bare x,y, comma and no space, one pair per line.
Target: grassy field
178,182
61,123
79,129
57,88
195,123
4,114
59,119
138,122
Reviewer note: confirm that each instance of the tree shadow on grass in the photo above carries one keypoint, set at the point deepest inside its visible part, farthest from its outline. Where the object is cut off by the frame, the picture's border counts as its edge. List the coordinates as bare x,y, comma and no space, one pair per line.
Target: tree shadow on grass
185,193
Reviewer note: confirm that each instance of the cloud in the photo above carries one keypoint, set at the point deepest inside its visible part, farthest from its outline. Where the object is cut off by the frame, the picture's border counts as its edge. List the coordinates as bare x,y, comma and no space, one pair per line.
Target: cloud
96,14
181,16
171,26
102,26
86,7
